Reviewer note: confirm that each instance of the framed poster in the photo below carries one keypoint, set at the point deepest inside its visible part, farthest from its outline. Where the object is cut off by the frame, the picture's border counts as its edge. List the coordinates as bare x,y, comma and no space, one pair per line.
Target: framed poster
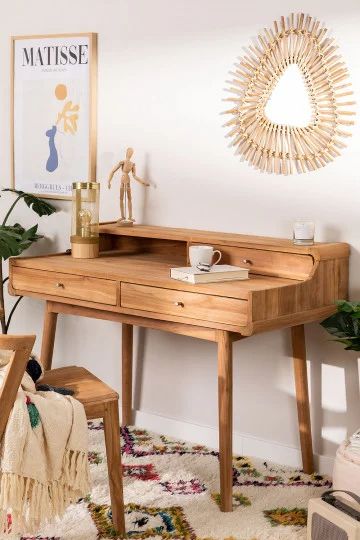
53,112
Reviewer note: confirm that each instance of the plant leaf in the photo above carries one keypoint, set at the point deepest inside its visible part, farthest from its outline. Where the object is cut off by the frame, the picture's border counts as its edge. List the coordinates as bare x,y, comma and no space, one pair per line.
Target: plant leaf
40,206
9,242
344,325
15,239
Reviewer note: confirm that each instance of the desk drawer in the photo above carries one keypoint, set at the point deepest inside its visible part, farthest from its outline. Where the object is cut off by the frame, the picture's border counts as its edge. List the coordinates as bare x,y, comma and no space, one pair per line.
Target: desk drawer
102,291
204,307
268,262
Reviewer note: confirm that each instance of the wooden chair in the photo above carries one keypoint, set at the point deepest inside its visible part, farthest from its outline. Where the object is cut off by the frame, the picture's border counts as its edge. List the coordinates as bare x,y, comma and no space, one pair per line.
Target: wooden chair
99,401
21,347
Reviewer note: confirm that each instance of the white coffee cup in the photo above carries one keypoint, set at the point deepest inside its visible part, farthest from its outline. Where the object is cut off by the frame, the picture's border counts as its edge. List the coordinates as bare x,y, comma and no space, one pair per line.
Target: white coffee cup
203,255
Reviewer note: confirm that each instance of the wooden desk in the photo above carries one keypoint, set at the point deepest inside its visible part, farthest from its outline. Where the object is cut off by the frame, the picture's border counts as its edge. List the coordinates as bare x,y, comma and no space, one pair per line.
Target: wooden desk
129,283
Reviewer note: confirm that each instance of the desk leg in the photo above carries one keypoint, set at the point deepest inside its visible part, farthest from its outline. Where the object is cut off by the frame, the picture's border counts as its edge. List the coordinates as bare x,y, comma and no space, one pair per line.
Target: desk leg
127,359
48,338
302,396
225,385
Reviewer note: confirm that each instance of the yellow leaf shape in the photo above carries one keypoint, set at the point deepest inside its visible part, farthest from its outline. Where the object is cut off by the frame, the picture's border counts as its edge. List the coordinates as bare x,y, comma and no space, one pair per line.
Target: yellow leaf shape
69,117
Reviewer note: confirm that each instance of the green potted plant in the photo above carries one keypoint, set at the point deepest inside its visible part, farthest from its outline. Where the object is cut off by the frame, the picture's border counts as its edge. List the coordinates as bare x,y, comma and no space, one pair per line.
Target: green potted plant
344,325
14,239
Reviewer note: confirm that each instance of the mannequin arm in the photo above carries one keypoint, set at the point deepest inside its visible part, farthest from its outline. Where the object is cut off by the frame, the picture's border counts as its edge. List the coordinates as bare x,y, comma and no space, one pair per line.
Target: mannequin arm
133,172
116,168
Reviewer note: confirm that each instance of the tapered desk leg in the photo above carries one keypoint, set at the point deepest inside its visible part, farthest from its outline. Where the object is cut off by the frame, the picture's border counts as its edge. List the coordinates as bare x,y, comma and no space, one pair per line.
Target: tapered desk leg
225,385
48,338
127,359
302,397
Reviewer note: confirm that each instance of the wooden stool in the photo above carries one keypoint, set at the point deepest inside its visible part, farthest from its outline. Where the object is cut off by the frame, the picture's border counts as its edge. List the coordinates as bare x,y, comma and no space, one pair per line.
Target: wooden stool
99,401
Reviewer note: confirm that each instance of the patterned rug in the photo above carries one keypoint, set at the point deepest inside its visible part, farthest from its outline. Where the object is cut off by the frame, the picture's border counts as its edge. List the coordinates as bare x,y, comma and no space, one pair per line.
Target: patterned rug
172,492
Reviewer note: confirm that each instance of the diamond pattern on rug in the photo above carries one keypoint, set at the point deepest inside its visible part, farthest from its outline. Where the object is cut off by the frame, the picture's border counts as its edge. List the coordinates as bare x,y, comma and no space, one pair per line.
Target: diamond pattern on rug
144,522
141,472
95,457
286,516
265,474
40,538
95,425
139,443
238,499
171,491
184,487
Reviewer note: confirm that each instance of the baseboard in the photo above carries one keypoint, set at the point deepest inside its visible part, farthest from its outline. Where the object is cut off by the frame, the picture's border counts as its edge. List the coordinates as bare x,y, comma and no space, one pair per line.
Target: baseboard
243,443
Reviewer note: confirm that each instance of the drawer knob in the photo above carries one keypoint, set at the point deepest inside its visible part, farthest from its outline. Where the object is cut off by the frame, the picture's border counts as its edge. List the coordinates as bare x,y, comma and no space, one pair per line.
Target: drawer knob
247,261
60,285
180,304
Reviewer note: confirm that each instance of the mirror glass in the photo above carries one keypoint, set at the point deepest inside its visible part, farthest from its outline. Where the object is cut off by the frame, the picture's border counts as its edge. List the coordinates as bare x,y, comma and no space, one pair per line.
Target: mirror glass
289,103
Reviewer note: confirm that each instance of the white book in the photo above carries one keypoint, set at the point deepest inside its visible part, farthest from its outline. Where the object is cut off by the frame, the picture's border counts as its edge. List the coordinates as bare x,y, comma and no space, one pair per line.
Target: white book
217,273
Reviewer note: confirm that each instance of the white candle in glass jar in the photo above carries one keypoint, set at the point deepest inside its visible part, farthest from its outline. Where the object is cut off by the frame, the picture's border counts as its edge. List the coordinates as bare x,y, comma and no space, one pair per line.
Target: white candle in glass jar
304,230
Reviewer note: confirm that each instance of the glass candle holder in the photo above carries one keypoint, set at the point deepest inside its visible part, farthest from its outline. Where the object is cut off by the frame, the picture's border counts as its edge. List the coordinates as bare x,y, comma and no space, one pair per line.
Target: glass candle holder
85,220
303,232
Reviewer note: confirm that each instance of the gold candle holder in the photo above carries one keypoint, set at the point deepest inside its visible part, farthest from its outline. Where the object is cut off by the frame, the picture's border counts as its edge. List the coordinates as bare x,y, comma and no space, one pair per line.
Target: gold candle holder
85,220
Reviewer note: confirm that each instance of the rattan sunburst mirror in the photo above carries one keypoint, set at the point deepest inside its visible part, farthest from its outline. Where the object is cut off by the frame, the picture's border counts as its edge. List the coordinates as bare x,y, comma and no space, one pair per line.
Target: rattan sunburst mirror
281,148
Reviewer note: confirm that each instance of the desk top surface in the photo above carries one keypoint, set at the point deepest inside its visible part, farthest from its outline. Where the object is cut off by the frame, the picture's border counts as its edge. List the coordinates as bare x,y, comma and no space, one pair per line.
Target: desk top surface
148,269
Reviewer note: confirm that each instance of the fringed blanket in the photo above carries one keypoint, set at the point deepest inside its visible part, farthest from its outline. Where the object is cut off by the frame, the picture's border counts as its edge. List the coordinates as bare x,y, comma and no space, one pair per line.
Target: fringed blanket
43,457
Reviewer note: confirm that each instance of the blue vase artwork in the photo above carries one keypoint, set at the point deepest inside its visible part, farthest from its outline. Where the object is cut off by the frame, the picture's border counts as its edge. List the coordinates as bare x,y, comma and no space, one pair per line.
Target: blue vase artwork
53,160
67,120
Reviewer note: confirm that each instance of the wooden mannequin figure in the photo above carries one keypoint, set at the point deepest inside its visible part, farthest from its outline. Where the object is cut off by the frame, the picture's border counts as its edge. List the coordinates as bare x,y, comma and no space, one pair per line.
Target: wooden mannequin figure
127,167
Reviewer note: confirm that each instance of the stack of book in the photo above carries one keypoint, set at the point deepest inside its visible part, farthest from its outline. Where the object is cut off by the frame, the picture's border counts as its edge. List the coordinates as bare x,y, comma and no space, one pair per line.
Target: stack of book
217,273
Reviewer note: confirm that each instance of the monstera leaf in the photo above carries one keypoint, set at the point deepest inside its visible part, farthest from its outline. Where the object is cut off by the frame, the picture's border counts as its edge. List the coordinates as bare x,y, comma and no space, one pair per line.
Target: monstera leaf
14,240
28,236
39,206
8,242
344,325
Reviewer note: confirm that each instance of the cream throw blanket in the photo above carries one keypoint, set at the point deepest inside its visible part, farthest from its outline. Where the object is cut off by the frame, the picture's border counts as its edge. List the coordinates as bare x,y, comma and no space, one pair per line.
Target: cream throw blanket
43,457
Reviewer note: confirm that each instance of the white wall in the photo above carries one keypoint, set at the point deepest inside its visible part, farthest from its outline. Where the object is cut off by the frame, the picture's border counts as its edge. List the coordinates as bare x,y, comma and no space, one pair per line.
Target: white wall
162,67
